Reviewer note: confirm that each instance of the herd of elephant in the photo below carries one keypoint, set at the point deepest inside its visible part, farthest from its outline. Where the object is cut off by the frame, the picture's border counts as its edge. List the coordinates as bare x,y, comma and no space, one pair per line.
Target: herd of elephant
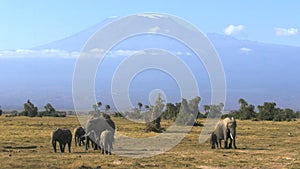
99,131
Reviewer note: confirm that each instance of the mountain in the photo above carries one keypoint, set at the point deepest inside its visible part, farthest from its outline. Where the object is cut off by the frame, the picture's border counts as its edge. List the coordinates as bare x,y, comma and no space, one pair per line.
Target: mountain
255,71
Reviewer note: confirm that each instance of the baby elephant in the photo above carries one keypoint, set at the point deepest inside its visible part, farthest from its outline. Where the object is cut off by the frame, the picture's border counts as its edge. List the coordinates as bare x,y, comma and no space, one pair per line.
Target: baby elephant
63,136
213,141
79,136
106,140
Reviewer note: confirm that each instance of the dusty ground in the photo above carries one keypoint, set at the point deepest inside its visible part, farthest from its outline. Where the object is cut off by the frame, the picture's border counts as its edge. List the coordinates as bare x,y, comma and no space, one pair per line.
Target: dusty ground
260,145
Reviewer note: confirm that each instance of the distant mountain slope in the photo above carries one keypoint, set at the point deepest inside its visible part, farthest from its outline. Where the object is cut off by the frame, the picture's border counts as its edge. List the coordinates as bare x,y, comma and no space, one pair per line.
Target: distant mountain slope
255,71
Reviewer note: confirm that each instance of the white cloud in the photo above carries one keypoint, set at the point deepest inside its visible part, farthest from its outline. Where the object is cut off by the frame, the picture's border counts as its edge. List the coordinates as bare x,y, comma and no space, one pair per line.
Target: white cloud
154,29
245,50
54,53
123,53
46,53
97,50
179,53
188,53
285,32
233,29
151,15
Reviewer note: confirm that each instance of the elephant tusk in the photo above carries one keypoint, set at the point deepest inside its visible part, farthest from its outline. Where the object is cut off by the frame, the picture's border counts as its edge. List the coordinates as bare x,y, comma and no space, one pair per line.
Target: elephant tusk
231,136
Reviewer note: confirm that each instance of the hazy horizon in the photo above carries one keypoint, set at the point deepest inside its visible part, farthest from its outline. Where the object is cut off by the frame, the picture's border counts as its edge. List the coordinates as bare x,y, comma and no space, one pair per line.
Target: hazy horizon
259,54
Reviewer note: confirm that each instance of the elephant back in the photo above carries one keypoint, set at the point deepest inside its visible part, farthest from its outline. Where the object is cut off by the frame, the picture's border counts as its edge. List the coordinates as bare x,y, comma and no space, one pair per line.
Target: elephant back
100,124
79,131
61,135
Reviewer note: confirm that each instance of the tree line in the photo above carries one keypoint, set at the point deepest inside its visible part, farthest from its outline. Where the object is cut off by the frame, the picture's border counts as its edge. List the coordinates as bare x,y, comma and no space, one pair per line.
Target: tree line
169,111
268,111
31,110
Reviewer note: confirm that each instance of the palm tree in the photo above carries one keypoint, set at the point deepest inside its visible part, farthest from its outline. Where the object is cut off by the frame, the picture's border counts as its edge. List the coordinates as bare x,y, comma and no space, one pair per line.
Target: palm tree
140,105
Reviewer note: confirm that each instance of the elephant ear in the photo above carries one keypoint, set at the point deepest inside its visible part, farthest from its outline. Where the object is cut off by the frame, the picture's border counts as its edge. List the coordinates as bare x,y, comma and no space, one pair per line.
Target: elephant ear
229,124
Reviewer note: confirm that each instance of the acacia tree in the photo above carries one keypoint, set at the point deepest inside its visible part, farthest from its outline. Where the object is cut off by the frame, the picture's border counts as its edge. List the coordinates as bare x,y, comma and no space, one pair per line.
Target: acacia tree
30,109
49,109
246,111
188,111
0,111
243,103
215,111
170,112
267,111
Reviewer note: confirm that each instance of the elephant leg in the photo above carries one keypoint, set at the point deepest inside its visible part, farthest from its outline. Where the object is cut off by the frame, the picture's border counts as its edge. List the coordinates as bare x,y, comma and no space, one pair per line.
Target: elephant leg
61,147
234,146
54,146
69,146
230,143
226,144
220,143
109,149
211,143
94,145
106,149
87,143
76,141
82,142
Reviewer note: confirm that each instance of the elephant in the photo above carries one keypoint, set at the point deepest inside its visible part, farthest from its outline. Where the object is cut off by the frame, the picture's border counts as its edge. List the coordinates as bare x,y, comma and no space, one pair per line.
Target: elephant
79,136
92,136
63,136
98,125
213,141
106,141
226,129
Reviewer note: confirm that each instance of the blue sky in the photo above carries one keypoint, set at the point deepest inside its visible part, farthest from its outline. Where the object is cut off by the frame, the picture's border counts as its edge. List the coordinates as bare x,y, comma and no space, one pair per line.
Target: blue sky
26,24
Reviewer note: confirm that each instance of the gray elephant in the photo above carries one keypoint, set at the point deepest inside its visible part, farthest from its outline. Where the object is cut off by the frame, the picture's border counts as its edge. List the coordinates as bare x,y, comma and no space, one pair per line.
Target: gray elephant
63,136
226,129
79,136
98,125
94,139
213,141
106,141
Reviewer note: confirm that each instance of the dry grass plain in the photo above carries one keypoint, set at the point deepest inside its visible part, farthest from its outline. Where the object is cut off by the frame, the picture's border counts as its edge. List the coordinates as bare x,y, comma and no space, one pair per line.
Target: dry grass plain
260,145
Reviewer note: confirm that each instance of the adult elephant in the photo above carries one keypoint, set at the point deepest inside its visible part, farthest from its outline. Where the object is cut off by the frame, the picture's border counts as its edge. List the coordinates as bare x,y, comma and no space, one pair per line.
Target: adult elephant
63,136
226,129
98,125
